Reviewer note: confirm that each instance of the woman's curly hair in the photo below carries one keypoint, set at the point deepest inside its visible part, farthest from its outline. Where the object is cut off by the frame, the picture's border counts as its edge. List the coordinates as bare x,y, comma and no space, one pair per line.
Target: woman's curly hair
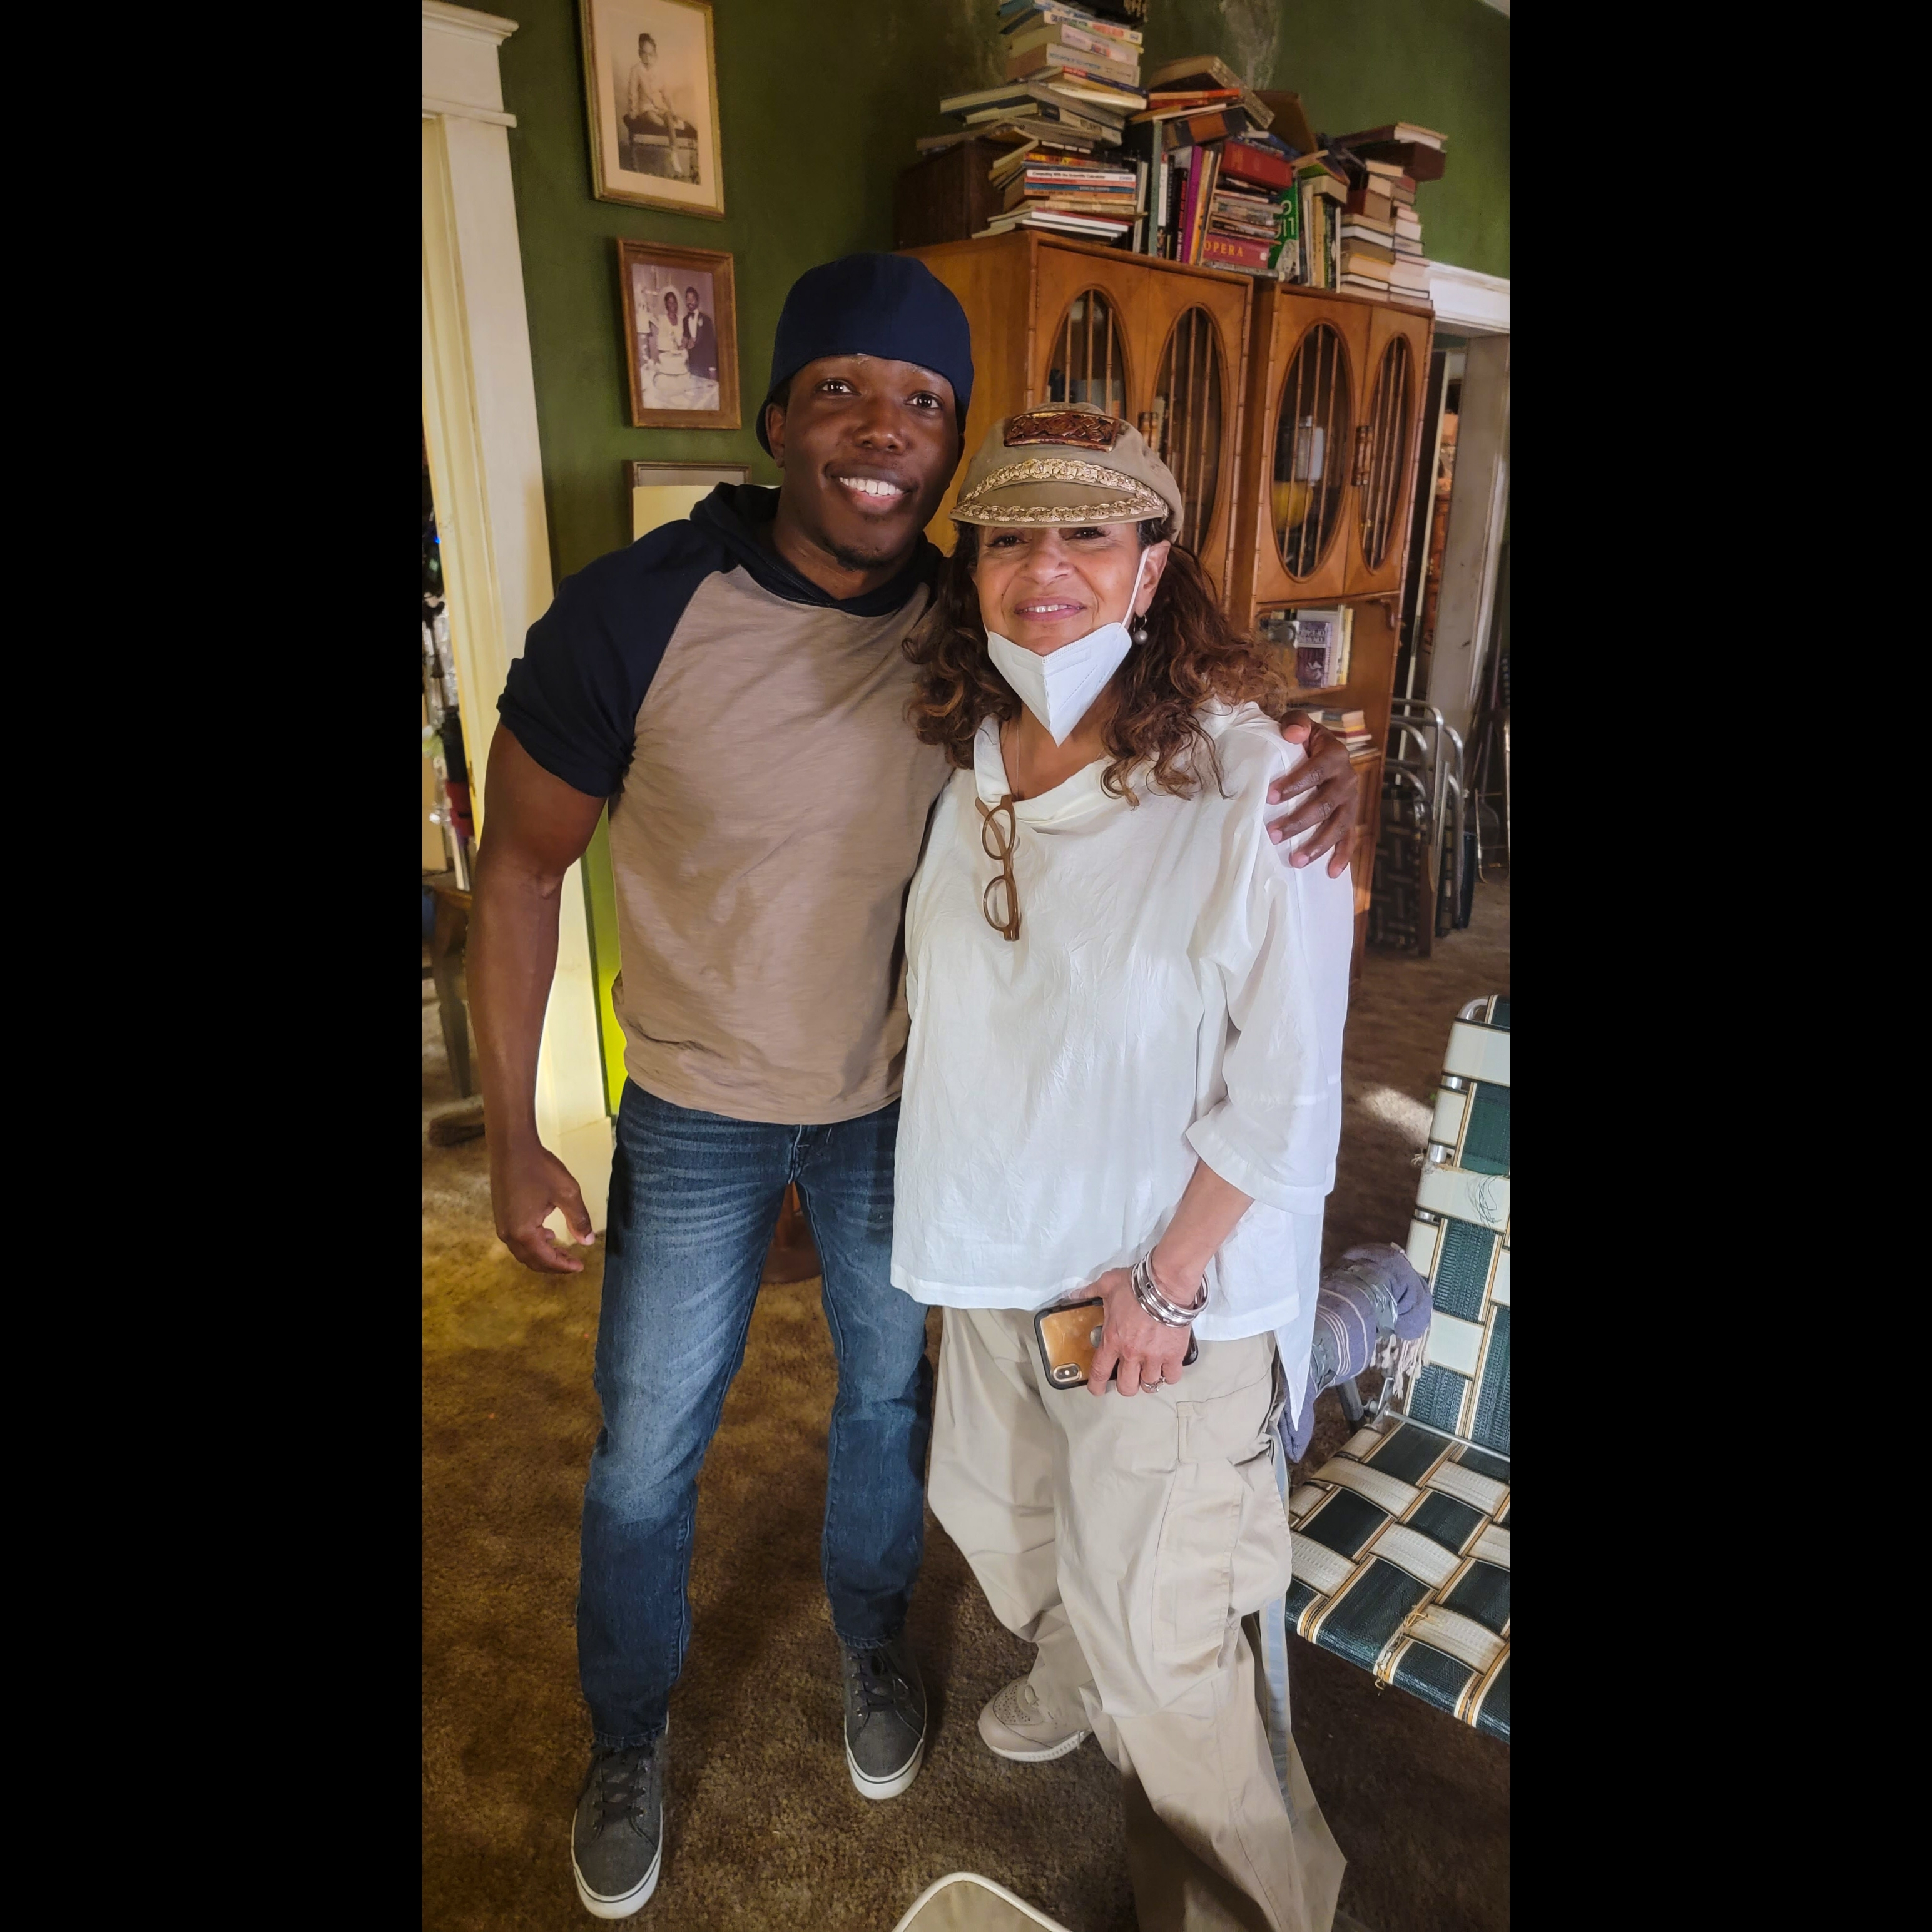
1191,656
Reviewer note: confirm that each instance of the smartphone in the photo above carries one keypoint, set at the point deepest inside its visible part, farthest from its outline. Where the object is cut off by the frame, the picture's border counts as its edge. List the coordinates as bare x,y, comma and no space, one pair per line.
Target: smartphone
1069,1332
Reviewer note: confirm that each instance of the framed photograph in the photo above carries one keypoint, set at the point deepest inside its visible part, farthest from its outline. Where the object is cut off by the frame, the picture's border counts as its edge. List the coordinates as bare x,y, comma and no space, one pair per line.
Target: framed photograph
662,492
651,83
681,336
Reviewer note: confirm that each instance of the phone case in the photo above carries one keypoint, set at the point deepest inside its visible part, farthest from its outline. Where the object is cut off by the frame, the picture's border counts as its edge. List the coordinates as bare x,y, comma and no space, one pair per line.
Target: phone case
1069,1332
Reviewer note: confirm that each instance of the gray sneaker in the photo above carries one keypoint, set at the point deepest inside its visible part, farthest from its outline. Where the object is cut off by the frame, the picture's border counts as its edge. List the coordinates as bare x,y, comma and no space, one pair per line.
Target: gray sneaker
616,1843
885,1718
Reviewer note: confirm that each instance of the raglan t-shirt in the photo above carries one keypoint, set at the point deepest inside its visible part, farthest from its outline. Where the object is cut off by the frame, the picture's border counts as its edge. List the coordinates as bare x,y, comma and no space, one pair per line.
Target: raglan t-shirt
767,802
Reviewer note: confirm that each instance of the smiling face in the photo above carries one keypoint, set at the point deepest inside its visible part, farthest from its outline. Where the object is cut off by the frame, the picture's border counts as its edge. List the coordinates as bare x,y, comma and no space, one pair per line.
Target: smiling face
1046,587
670,305
867,447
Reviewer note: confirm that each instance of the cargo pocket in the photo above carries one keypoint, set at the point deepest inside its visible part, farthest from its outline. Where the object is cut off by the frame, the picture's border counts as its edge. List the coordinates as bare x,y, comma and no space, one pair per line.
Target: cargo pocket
1194,1567
1263,1559
1217,1545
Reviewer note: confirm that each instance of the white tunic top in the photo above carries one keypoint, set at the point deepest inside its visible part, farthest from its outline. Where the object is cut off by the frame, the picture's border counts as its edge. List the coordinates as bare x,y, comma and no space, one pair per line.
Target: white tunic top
1177,990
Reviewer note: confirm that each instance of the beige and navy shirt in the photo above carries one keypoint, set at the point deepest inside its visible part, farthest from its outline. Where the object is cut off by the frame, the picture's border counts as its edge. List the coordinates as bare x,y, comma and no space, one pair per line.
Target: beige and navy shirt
767,803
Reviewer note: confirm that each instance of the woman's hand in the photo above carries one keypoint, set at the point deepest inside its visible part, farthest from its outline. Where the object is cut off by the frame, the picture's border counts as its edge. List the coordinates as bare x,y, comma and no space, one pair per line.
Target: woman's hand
1148,1352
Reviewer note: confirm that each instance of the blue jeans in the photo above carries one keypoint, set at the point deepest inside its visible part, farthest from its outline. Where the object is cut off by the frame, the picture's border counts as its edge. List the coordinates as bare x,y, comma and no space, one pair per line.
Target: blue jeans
693,1198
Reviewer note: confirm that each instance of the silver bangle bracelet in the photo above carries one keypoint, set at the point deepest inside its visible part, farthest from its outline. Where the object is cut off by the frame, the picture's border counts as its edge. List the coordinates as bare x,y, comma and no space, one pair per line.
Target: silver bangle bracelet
1147,1292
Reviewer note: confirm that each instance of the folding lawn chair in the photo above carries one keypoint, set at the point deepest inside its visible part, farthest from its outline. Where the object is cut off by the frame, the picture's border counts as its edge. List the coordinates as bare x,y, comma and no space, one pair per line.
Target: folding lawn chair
1402,1540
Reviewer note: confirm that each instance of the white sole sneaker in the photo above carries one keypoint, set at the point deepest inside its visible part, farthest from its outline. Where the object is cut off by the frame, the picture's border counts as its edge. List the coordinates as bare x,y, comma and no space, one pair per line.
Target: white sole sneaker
635,1900
885,1787
1045,1755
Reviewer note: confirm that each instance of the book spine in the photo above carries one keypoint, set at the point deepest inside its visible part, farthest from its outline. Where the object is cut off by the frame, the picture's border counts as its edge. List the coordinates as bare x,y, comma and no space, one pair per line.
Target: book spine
1080,40
1212,156
1217,249
1014,16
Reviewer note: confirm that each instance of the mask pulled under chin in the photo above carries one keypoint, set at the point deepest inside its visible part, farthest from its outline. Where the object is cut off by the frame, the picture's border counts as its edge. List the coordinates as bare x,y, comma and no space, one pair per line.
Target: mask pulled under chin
1060,689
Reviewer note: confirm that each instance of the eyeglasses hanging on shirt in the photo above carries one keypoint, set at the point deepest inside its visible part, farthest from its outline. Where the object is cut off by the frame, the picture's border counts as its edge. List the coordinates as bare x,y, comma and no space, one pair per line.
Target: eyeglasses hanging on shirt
996,841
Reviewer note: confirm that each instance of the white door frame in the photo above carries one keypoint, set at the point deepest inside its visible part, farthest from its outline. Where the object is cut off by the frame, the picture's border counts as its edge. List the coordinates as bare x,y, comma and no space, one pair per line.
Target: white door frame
1477,306
480,422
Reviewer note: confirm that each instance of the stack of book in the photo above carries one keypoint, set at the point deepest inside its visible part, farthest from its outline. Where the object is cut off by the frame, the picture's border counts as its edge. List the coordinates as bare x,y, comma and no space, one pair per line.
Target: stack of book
1253,220
1205,204
1064,194
1351,727
1321,193
1098,44
1386,230
1072,80
1189,168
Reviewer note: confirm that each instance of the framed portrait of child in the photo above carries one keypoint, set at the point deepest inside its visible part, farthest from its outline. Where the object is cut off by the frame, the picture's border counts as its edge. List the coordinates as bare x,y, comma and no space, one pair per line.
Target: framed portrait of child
650,71
681,336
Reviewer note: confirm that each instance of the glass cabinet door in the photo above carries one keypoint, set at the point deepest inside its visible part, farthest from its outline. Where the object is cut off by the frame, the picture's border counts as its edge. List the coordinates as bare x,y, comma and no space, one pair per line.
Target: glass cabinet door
1381,457
1089,361
1184,425
1313,451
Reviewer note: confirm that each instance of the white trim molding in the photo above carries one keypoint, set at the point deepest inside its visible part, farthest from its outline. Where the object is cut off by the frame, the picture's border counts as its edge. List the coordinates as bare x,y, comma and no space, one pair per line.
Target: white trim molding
432,108
459,63
1468,302
479,413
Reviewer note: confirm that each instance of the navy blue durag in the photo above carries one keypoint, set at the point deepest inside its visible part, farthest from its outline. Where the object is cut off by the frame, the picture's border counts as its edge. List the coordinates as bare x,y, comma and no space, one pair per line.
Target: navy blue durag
885,305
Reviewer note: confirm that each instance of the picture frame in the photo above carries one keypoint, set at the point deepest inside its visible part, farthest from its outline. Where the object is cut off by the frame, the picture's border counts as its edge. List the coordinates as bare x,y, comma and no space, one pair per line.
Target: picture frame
662,492
652,109
682,375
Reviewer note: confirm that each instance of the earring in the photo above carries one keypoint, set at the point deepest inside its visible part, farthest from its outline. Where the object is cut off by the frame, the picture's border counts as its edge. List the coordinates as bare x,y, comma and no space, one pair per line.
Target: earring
1139,631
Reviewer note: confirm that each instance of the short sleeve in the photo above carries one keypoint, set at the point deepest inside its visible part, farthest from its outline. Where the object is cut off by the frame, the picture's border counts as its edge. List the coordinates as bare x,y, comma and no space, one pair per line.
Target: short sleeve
571,700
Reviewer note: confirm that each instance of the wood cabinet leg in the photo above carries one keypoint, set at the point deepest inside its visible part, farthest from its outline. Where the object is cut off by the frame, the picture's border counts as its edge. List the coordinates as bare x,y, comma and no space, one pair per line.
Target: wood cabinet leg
452,924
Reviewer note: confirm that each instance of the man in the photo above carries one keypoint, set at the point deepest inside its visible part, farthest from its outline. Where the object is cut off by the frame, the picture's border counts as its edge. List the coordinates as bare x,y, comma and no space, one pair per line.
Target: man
701,339
733,686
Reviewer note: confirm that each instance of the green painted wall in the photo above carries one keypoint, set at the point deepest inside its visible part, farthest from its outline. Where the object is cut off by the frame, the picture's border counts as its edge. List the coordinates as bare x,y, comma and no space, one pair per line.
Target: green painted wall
816,123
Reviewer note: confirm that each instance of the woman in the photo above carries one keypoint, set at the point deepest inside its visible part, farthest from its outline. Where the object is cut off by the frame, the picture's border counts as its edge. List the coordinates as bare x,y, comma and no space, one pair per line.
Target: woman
1122,1081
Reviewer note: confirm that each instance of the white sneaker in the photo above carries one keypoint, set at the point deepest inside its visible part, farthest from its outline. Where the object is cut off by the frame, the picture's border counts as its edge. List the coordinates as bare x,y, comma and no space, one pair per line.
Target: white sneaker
1014,1726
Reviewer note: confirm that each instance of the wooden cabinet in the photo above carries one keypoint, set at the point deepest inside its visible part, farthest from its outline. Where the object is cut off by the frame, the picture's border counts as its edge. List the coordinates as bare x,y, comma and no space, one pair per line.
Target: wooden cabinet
1395,376
1161,346
1332,415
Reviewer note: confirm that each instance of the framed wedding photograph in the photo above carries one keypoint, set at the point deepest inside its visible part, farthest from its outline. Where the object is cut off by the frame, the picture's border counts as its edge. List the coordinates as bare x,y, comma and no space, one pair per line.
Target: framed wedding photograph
680,336
650,73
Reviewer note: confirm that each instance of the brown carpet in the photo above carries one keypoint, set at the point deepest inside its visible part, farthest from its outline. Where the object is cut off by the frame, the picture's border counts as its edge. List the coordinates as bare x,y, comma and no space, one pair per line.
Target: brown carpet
764,1830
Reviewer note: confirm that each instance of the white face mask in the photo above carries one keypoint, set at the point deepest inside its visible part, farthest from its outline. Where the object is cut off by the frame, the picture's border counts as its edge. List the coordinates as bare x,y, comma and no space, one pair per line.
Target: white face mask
1060,689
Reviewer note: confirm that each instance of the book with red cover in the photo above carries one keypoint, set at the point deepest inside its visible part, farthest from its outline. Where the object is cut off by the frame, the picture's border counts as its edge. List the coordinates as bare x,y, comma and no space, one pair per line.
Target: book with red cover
1262,167
1216,250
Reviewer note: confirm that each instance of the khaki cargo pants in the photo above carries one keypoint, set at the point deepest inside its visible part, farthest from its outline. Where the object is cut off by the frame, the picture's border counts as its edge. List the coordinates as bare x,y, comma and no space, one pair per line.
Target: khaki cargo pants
1128,1537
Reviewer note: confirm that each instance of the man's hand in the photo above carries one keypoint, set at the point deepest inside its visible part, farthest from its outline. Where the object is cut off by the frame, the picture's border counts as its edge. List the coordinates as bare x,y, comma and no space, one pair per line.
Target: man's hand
525,1185
1148,1352
537,828
1334,800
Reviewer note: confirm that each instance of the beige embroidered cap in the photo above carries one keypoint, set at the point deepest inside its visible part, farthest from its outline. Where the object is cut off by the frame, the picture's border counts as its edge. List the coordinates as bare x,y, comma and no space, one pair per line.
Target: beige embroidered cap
1068,463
